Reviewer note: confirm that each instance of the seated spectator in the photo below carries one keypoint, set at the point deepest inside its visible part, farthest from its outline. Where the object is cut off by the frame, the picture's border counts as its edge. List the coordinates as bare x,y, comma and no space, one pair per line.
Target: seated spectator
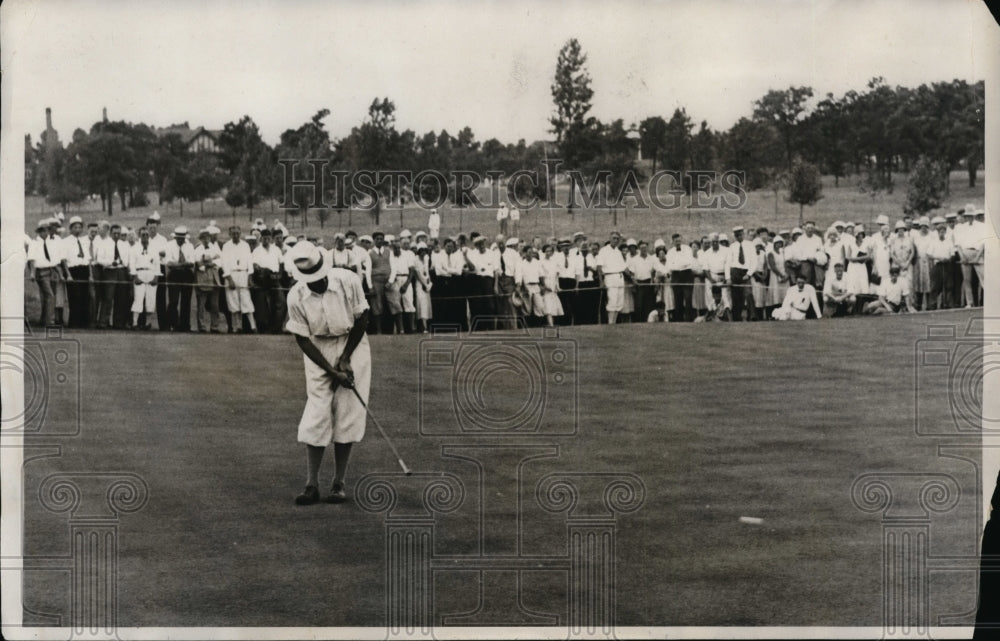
837,300
891,295
659,313
719,310
798,300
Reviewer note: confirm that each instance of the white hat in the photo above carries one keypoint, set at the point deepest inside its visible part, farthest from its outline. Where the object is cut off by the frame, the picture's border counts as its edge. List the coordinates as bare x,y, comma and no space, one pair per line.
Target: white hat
797,230
74,220
659,242
291,240
937,220
60,215
723,238
737,228
579,234
881,219
389,238
306,263
512,241
153,216
899,225
778,239
405,234
924,220
349,241
951,216
180,231
420,233
969,211
838,223
365,238
785,232
631,242
338,235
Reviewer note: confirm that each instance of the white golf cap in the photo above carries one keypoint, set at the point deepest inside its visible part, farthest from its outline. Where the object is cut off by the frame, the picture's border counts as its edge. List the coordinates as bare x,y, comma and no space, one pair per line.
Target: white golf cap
306,262
737,228
659,242
389,238
512,241
180,231
937,220
631,242
75,220
155,216
797,230
881,219
420,234
723,238
405,234
969,211
365,239
899,225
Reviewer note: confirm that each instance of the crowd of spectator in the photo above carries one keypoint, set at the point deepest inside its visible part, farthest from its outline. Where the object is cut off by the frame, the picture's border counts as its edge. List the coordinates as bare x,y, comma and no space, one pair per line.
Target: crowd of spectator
107,276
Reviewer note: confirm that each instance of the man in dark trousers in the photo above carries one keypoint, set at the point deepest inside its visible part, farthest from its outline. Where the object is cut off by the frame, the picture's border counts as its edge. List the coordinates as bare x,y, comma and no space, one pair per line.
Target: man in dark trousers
742,263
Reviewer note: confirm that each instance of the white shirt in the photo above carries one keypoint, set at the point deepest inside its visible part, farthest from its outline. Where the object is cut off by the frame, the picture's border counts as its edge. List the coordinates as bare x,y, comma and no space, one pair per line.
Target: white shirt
174,252
529,272
940,249
236,257
338,257
434,222
550,271
892,292
76,250
680,259
565,265
158,242
212,254
502,212
399,265
809,246
610,260
715,261
584,266
36,252
363,262
449,264
641,267
331,313
801,300
970,236
482,262
104,251
269,258
834,287
515,213
144,259
749,256
511,259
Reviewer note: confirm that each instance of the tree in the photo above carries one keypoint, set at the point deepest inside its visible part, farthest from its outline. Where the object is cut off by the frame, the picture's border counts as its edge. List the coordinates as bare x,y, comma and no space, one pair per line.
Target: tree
310,141
244,155
784,110
199,178
577,134
652,137
754,148
804,185
677,145
926,186
168,157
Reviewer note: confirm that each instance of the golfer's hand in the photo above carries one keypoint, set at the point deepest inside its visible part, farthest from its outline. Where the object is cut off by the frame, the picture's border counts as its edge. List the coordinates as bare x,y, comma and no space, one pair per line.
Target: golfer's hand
343,369
342,379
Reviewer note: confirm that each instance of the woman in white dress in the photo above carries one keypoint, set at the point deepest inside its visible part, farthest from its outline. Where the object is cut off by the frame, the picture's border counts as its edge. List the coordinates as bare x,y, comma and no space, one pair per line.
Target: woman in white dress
664,292
778,281
549,283
857,258
922,266
422,288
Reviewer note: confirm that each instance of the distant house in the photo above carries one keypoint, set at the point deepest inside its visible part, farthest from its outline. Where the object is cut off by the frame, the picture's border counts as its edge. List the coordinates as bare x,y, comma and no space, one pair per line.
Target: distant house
199,139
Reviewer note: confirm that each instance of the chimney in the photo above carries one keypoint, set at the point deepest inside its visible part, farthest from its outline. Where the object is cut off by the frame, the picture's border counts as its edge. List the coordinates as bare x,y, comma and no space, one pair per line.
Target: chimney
48,118
104,112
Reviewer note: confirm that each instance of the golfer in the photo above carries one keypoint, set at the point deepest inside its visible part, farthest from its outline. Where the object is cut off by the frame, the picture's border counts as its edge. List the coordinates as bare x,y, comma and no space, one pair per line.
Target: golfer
328,313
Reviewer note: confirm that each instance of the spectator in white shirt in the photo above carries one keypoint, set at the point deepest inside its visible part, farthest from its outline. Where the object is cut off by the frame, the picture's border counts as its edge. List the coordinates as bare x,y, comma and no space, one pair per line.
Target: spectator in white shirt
502,215
267,301
237,262
434,224
837,298
207,258
398,289
586,306
179,262
640,269
797,302
714,259
118,272
507,258
742,263
106,263
76,252
939,251
144,267
549,284
970,241
659,313
43,261
483,284
611,268
891,295
159,244
566,275
680,265
515,220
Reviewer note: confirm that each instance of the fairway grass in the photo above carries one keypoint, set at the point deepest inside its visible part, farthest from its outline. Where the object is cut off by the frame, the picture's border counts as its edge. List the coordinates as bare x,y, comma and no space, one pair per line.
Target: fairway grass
772,421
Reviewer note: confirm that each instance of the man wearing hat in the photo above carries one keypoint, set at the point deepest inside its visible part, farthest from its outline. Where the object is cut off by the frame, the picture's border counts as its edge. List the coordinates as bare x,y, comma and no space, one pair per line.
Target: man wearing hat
837,299
144,268
76,251
266,259
508,259
237,262
159,243
566,278
939,251
681,266
379,256
810,249
207,259
328,313
588,288
122,305
970,241
43,265
610,265
106,264
742,263
798,300
484,271
179,263
502,215
891,295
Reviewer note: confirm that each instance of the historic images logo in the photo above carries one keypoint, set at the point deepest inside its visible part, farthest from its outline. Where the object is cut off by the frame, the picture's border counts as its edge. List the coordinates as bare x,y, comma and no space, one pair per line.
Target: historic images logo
500,406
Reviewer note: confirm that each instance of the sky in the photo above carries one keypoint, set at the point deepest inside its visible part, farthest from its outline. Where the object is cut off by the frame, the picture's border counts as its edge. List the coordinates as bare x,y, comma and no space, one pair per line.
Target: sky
446,65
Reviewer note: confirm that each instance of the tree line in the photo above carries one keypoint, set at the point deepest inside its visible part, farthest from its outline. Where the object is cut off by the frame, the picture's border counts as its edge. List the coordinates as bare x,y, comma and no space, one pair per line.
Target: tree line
788,138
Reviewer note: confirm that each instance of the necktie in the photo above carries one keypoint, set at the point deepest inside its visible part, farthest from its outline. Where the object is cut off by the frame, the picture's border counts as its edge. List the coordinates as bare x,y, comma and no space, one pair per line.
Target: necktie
586,268
91,247
503,264
566,256
79,246
45,246
118,256
741,256
180,254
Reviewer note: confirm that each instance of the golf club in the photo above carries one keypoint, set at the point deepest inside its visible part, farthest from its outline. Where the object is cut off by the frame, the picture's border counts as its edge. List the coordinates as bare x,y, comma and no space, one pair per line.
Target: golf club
392,447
